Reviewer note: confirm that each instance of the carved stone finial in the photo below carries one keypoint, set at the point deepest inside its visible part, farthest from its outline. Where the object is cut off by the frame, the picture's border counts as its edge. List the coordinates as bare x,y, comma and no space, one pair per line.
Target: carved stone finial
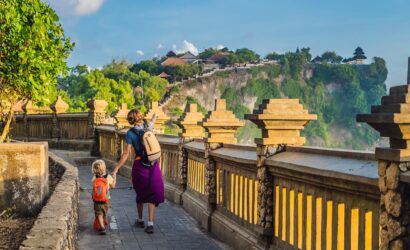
29,108
59,106
188,122
392,119
121,116
97,106
221,124
161,117
281,121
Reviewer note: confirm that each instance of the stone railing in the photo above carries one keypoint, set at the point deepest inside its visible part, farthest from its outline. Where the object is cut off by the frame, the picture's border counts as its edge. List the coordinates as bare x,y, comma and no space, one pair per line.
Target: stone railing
56,225
297,197
60,129
321,197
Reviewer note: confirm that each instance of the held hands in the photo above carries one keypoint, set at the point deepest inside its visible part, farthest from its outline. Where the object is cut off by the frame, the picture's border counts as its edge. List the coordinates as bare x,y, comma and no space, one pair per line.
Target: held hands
114,173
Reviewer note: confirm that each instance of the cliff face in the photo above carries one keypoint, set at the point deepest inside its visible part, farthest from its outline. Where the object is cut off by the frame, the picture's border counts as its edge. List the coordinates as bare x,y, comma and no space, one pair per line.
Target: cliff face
205,90
335,92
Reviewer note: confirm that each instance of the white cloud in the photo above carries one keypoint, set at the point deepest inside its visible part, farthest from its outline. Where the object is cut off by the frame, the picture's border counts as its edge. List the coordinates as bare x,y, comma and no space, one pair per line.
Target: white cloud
219,46
156,55
160,46
76,7
140,52
185,47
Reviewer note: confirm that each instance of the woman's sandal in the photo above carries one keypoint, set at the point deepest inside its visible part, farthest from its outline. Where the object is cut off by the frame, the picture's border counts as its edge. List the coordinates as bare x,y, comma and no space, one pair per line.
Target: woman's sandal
139,224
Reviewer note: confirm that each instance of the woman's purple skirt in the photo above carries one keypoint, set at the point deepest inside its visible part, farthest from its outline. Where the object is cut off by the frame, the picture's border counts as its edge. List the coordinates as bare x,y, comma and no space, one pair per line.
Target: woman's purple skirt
148,191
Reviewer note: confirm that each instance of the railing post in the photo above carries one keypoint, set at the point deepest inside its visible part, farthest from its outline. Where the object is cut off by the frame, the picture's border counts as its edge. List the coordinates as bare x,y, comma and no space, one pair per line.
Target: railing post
96,116
159,127
221,126
121,122
281,121
188,122
58,106
391,119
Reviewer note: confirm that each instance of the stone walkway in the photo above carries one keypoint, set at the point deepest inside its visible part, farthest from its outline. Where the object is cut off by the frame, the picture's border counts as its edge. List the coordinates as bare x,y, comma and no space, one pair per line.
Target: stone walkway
174,228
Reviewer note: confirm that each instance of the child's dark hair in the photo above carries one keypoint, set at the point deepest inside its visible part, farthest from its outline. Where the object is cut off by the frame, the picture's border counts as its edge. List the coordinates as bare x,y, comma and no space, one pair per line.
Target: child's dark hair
135,117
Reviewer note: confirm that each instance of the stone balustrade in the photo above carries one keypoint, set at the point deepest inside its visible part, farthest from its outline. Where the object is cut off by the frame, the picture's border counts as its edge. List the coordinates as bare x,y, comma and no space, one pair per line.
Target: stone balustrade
277,194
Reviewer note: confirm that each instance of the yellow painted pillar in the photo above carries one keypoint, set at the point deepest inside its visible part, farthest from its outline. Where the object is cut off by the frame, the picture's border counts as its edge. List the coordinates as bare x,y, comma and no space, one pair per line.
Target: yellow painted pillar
221,126
281,121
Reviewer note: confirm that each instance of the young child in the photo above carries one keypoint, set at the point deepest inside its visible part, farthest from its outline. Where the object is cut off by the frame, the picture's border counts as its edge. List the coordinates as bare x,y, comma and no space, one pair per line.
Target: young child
101,194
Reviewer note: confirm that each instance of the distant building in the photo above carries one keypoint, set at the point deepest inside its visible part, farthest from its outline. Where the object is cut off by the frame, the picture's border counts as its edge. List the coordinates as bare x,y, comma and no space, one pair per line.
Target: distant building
173,61
219,57
359,56
188,57
164,75
317,59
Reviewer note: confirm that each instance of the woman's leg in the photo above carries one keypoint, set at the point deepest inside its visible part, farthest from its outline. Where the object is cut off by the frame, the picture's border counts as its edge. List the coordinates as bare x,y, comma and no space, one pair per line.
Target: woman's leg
140,209
151,212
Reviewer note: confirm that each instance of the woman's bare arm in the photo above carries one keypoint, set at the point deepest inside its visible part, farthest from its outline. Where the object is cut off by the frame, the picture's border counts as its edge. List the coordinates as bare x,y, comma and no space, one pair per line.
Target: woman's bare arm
123,159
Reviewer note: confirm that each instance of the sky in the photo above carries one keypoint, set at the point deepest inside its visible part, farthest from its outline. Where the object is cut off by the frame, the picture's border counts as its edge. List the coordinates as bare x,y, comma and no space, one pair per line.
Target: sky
141,29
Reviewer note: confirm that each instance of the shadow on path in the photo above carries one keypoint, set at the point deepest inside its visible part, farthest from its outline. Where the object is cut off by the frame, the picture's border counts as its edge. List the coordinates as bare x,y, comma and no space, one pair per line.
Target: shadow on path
174,228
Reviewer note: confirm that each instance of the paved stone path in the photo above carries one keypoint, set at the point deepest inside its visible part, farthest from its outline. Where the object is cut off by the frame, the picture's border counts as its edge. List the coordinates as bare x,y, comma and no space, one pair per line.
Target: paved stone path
174,228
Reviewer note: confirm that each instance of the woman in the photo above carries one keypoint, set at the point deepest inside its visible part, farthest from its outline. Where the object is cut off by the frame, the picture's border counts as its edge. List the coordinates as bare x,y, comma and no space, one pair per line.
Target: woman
147,181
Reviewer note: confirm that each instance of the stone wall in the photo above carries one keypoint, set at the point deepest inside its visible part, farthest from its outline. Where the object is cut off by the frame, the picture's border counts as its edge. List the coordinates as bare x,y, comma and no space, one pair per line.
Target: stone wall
23,176
58,220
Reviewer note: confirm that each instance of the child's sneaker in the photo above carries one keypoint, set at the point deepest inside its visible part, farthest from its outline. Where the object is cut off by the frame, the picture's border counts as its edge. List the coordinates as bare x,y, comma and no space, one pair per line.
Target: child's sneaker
103,231
139,223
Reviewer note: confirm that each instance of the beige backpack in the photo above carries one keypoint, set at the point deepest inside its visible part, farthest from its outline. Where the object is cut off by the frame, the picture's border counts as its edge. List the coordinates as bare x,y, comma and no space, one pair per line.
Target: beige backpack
152,147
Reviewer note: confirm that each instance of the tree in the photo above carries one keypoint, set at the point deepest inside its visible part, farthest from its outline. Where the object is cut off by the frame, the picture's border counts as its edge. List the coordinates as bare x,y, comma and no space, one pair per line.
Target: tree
150,66
274,56
331,57
207,53
32,54
306,53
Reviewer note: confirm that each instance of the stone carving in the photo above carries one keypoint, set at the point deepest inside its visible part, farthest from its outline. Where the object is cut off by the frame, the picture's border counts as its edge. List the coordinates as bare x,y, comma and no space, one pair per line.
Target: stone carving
281,121
59,106
120,116
221,124
161,118
29,108
392,119
96,116
188,122
183,162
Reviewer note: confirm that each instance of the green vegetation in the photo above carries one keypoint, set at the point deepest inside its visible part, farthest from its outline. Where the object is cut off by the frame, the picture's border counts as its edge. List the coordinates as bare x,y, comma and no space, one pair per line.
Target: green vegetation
32,54
113,83
190,99
243,55
335,92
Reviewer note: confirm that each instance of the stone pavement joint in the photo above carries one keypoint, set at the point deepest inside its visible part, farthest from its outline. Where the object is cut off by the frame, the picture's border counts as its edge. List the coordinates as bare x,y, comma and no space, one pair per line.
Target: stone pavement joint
174,228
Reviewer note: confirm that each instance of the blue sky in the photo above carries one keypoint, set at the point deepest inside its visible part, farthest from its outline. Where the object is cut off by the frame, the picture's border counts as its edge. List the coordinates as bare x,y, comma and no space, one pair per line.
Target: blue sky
139,29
